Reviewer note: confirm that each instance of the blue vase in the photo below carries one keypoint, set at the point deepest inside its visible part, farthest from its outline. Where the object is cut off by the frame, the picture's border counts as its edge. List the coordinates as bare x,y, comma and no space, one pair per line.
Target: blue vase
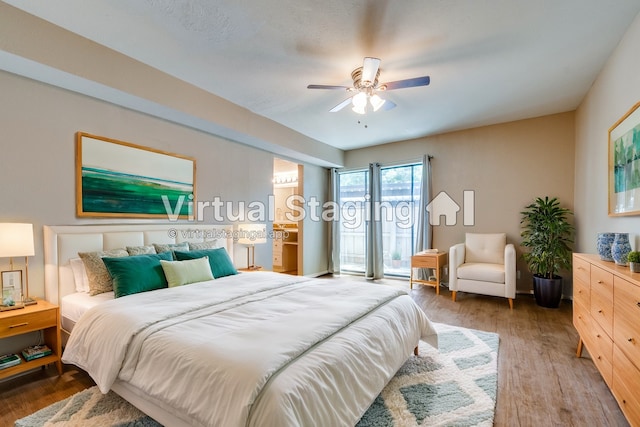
605,240
620,248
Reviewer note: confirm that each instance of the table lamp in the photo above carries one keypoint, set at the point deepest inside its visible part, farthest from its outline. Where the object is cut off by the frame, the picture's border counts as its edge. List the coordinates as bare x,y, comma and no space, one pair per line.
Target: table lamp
16,239
252,234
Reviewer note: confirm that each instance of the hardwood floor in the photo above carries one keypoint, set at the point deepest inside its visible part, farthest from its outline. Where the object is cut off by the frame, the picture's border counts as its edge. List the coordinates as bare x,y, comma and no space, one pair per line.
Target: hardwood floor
540,381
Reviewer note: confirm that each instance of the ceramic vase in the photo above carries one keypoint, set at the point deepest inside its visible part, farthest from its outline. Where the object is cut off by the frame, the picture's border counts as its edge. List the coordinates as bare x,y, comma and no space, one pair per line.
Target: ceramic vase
620,248
605,240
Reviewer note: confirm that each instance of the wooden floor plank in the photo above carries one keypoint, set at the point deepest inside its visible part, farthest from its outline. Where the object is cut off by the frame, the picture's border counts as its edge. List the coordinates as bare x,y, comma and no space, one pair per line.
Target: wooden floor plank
540,381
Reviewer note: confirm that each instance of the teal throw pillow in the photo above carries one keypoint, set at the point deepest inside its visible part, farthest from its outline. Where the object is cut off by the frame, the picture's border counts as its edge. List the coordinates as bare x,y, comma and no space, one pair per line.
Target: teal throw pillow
219,260
140,273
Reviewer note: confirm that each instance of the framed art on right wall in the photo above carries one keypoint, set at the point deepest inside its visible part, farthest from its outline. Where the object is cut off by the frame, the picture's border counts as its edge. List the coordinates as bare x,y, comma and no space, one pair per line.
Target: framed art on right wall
624,164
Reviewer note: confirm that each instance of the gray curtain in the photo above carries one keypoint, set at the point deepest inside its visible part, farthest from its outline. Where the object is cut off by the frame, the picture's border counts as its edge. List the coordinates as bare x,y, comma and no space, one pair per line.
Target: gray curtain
424,238
334,226
374,265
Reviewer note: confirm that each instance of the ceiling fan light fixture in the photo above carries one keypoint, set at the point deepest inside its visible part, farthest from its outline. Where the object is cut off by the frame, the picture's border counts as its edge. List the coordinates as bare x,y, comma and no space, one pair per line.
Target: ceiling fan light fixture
359,100
359,109
376,102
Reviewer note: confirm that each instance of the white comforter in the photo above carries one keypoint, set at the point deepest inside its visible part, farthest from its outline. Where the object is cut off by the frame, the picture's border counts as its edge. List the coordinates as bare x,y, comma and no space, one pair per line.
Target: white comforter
257,349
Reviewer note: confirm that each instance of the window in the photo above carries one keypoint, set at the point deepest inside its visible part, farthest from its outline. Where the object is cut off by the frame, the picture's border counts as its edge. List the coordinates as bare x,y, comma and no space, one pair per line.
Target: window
352,197
398,211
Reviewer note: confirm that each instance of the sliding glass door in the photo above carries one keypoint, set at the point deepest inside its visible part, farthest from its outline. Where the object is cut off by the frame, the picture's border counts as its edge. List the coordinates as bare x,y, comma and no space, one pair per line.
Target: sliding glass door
399,207
397,210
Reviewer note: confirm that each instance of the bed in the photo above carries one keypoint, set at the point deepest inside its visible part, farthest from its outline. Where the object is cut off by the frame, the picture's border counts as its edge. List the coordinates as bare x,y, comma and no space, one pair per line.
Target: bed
247,349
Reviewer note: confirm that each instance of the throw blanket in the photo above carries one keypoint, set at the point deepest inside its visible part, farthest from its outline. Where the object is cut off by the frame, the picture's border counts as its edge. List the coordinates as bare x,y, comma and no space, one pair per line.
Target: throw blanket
251,349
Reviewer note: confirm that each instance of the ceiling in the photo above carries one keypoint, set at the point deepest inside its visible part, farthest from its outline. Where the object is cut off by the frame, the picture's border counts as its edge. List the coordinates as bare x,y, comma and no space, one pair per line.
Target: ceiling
490,61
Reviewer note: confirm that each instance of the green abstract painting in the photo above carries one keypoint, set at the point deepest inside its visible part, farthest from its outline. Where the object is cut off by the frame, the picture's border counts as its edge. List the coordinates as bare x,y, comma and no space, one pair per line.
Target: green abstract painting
120,179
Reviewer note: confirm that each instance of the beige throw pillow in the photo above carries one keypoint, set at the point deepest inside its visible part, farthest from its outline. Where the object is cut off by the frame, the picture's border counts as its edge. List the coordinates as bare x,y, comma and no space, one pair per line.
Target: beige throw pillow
99,278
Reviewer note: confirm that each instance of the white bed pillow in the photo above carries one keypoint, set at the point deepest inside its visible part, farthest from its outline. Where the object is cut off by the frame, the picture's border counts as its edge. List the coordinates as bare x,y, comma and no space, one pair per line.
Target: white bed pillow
79,275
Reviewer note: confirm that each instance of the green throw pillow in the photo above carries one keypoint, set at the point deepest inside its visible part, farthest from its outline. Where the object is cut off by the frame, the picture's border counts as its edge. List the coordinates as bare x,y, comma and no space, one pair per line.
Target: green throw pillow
180,273
139,273
219,260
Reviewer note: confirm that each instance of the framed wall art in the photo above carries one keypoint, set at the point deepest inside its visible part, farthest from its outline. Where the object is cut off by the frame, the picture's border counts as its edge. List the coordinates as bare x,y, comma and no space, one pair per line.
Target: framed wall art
123,180
624,164
11,287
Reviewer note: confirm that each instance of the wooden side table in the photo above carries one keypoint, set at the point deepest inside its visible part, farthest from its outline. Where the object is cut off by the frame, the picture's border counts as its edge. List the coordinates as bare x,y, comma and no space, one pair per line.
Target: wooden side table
429,260
41,316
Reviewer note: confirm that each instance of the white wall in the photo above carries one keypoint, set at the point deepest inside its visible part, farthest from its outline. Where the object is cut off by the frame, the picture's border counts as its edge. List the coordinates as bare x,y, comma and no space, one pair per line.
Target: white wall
37,137
506,165
614,92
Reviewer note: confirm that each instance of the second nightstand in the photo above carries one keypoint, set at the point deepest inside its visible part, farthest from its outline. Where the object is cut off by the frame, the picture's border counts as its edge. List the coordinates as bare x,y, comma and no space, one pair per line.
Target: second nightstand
42,316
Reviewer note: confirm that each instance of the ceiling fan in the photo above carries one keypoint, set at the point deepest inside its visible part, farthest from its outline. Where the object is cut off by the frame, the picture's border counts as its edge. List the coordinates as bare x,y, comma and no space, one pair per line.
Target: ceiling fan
365,88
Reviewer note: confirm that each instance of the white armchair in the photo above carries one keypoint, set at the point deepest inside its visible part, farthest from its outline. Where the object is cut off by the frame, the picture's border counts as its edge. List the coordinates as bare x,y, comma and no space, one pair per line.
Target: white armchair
484,264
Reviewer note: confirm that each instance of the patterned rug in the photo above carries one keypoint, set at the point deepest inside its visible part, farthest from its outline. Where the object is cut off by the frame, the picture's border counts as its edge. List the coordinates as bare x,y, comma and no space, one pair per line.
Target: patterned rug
453,386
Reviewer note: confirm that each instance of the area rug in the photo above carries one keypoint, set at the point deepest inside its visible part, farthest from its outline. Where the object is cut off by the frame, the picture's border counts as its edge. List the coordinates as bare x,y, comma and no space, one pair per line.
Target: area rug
455,385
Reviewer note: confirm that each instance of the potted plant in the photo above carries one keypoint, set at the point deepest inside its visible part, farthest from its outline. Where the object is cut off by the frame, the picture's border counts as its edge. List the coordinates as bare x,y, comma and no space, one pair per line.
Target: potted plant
633,258
547,234
396,259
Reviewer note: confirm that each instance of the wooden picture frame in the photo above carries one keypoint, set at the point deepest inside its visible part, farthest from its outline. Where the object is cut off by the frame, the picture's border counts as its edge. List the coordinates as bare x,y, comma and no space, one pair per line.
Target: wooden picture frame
12,285
119,179
624,164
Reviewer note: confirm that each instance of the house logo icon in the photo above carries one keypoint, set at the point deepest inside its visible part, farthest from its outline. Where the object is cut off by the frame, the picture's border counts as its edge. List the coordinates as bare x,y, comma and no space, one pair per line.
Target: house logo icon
444,205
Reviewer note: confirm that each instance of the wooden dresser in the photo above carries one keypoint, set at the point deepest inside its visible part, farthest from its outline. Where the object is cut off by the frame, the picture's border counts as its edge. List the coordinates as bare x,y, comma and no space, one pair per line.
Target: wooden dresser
606,313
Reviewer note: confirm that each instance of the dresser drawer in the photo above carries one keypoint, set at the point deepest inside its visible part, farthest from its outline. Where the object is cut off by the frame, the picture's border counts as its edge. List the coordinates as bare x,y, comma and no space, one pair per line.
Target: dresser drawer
626,386
600,347
626,329
277,260
581,320
581,292
21,323
602,298
581,271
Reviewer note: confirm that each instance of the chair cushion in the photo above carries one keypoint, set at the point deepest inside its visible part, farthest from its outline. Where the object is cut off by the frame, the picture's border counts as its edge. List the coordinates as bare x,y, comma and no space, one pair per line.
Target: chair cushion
485,247
482,272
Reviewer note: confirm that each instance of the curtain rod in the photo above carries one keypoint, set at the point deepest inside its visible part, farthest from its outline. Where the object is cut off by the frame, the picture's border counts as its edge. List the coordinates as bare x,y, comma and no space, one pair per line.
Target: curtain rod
395,163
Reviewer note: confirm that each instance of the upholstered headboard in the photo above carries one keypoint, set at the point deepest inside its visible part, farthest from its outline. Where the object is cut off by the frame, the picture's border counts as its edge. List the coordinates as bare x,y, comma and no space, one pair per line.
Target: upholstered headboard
63,242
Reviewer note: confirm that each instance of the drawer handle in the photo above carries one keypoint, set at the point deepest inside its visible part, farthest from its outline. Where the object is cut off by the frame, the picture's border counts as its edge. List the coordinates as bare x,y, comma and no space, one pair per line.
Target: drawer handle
600,311
597,335
631,340
599,358
18,325
600,282
638,304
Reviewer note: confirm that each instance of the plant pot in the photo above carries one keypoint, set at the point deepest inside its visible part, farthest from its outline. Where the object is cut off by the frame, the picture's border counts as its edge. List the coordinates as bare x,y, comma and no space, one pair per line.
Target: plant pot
548,292
634,267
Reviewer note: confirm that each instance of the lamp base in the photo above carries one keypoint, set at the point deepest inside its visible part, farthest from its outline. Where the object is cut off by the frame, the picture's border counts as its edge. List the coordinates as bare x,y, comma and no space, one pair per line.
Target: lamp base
11,307
29,301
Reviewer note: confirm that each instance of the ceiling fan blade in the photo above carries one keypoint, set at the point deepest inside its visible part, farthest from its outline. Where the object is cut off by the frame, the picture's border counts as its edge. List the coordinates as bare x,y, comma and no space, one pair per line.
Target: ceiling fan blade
388,105
341,105
401,84
370,69
327,87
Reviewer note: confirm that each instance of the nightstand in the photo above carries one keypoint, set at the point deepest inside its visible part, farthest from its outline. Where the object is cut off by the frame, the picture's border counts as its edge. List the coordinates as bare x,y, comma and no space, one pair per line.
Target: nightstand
42,316
434,260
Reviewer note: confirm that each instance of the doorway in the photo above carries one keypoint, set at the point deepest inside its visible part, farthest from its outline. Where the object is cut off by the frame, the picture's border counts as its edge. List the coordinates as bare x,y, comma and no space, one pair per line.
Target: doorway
287,238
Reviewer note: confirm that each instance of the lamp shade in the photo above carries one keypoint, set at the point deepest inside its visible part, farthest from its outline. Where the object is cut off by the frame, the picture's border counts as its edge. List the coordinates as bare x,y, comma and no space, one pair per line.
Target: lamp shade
16,239
252,234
